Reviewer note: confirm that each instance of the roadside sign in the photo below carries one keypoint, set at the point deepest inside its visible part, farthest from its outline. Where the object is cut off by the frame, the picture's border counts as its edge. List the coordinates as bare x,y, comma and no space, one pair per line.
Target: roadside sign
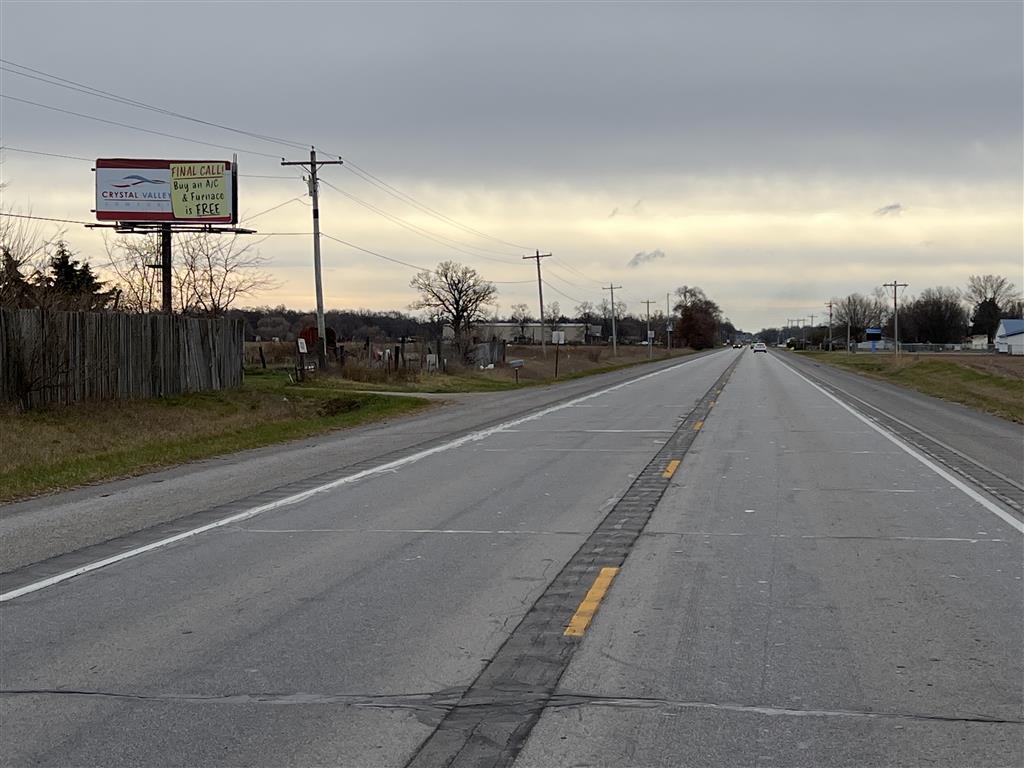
558,337
650,335
182,191
302,346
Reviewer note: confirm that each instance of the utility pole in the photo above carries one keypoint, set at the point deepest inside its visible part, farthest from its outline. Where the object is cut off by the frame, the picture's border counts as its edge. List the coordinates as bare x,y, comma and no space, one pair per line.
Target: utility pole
812,327
314,192
540,294
650,345
611,287
895,312
829,305
668,327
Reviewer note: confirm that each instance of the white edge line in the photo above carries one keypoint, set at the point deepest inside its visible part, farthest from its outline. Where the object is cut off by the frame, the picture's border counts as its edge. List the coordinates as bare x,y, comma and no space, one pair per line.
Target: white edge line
995,509
298,497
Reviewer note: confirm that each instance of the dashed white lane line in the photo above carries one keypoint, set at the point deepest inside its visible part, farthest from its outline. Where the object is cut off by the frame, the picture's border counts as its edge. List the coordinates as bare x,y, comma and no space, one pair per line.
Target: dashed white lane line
304,495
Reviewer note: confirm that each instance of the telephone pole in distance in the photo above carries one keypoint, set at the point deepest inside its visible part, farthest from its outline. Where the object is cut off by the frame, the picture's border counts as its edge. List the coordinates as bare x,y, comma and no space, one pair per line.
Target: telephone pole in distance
829,305
650,344
615,347
895,312
540,294
314,192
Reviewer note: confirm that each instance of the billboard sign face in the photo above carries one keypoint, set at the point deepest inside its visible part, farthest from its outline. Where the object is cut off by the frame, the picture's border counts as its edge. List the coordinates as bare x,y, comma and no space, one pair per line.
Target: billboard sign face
183,191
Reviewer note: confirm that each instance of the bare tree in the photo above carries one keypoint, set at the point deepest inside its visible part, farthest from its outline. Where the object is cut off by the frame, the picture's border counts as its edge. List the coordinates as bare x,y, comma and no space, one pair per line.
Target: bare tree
132,259
859,312
23,256
216,270
521,316
457,293
989,288
209,272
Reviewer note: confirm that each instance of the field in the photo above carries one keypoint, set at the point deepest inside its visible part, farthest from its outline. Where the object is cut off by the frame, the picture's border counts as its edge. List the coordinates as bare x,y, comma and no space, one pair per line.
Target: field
57,448
538,367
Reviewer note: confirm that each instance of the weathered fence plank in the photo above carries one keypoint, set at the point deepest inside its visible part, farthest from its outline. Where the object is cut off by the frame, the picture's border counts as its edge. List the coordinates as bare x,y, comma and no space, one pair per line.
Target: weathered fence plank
67,357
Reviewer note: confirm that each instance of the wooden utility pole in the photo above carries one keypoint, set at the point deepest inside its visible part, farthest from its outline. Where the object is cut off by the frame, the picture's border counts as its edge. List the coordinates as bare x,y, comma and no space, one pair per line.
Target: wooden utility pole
650,345
829,305
668,326
895,312
314,192
615,348
540,295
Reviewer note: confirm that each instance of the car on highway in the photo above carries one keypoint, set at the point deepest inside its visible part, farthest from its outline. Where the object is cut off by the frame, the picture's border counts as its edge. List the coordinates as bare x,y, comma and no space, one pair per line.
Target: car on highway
759,347
737,345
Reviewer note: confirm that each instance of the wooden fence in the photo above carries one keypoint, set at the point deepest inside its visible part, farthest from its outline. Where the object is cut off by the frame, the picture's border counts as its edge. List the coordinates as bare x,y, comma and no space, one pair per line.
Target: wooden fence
66,357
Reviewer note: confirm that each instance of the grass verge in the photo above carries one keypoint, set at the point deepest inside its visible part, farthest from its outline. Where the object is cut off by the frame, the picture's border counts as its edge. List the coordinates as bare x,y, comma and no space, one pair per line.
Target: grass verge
958,382
51,450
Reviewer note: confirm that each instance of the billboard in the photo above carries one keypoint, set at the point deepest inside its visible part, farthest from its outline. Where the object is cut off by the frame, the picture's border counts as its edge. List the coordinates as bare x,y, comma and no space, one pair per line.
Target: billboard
182,191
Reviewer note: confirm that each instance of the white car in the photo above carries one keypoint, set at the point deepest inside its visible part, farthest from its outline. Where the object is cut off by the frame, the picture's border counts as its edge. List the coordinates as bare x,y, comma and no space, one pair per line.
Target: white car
759,347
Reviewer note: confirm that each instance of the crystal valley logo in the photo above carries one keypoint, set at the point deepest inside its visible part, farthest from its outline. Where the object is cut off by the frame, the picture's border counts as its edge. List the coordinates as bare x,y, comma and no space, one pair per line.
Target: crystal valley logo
127,190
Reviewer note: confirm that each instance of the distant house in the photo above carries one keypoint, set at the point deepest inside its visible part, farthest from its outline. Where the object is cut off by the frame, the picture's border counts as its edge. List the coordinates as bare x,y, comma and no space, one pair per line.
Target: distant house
1010,337
978,341
575,333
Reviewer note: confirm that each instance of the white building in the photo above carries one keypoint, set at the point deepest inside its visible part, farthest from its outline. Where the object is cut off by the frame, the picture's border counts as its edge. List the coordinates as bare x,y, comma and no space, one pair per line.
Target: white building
979,341
1010,337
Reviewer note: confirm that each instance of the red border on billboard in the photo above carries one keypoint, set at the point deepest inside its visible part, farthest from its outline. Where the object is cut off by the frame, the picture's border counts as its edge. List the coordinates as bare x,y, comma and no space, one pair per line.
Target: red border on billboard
161,216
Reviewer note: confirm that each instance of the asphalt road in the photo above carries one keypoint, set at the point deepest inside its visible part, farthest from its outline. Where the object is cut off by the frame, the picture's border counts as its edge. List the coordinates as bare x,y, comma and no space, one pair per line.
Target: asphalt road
772,581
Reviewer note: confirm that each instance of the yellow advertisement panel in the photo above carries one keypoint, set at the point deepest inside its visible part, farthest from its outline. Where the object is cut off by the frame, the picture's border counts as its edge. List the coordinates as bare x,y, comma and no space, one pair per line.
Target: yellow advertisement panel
200,191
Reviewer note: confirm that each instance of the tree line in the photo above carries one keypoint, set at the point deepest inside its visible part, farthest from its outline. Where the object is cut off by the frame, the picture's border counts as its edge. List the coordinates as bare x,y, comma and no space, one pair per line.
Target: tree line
941,315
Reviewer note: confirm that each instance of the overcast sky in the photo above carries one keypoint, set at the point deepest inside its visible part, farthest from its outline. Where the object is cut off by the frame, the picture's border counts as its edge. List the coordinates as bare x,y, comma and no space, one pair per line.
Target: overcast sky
775,154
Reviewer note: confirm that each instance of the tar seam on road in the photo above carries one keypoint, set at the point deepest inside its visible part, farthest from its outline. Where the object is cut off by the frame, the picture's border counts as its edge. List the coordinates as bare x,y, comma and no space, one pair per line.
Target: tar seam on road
902,438
585,613
56,570
493,719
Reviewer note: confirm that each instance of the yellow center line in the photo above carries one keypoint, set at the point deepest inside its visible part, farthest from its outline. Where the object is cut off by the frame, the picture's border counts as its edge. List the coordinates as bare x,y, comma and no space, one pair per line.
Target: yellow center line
697,426
671,468
712,404
581,619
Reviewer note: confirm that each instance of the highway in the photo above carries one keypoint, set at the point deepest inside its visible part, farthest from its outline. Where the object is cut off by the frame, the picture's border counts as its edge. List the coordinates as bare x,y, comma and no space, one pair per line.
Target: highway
727,560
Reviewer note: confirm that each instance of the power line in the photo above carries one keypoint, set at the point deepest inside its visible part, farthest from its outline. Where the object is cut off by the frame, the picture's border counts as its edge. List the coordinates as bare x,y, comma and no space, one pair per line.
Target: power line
47,154
279,205
6,148
437,238
55,80
89,90
135,127
42,218
576,271
375,253
410,200
562,294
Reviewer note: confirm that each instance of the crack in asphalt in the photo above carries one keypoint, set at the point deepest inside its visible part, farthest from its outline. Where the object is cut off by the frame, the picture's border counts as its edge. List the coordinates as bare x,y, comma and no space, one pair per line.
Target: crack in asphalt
502,702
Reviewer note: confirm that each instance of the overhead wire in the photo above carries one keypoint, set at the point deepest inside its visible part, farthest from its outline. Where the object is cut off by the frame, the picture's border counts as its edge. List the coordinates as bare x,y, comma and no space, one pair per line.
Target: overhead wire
89,90
375,253
362,173
55,80
561,293
437,238
135,127
7,148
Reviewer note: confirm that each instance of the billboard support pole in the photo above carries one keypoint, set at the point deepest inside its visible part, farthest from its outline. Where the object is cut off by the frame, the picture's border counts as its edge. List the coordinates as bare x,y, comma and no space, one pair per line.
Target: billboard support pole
165,267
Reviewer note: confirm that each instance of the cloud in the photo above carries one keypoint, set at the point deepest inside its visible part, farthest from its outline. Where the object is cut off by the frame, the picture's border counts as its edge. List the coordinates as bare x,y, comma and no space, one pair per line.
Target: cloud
644,256
893,209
